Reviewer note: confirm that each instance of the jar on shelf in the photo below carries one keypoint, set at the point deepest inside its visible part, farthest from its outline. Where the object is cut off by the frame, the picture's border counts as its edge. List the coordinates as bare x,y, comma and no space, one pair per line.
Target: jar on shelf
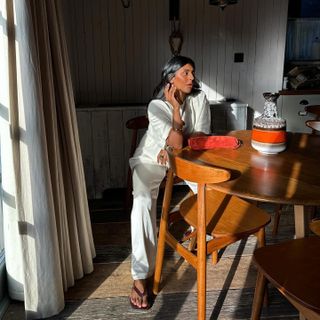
269,130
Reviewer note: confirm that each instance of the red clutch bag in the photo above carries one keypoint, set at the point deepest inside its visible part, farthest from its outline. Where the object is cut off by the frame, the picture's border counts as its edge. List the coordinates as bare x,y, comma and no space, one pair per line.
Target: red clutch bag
211,142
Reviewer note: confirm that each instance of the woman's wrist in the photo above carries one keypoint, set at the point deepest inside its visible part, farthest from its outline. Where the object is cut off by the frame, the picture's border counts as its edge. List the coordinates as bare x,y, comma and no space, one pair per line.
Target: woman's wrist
179,130
174,104
178,126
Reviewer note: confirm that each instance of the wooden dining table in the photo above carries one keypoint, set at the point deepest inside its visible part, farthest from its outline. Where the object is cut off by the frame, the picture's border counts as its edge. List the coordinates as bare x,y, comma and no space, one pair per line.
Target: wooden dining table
290,177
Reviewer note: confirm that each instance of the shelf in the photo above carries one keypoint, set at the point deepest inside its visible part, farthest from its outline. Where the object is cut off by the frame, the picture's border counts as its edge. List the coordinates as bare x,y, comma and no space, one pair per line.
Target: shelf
303,62
304,19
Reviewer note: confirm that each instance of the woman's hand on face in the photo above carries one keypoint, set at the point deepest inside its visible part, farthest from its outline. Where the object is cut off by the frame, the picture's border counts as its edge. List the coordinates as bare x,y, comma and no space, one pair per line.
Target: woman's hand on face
170,93
162,157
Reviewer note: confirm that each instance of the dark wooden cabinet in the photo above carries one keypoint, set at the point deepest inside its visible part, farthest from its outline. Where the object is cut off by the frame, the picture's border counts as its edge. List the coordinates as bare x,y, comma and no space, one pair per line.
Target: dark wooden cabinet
304,9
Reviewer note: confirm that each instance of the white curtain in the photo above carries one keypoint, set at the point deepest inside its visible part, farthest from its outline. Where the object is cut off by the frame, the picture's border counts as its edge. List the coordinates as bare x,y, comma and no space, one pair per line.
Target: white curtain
47,230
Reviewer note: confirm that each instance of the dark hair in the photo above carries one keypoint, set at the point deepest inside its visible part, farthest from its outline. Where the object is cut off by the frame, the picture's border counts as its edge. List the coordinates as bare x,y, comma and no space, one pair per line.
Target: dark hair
168,72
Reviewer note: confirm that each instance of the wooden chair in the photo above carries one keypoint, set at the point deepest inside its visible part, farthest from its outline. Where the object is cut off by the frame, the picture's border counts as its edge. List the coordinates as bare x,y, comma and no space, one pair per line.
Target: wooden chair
314,125
314,109
315,226
135,124
226,218
293,268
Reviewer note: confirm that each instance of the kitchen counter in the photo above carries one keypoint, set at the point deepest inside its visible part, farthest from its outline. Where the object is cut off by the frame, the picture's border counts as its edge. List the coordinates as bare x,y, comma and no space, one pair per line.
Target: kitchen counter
291,92
292,105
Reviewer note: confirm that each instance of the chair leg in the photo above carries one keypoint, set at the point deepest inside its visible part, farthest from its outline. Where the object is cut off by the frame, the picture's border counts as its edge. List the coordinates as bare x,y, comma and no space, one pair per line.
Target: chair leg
192,243
163,231
214,257
201,253
266,296
312,212
128,196
261,238
277,215
160,255
258,296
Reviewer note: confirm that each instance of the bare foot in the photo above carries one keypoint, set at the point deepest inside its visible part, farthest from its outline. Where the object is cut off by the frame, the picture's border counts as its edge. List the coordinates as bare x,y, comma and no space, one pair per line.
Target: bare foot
139,295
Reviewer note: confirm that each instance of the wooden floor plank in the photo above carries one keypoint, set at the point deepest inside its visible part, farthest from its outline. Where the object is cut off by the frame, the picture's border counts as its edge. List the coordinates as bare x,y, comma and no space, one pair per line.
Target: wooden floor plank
230,284
226,304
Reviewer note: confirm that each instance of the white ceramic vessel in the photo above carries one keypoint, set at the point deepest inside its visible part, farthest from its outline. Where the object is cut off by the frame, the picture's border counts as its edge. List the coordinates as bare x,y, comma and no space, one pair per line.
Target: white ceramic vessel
269,130
268,148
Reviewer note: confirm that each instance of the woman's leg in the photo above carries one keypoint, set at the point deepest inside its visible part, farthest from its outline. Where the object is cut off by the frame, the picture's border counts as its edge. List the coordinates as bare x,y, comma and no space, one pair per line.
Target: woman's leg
146,181
192,185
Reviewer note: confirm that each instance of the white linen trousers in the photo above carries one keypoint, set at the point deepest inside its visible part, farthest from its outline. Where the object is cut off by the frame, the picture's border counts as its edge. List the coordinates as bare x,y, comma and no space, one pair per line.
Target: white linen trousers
146,179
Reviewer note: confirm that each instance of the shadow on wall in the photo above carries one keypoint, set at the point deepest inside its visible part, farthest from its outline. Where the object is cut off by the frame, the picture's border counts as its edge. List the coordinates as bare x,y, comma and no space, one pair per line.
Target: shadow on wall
228,115
250,117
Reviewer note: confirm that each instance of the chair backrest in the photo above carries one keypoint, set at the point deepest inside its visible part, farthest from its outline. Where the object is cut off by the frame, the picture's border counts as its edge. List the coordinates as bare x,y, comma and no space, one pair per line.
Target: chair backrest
315,226
198,172
293,267
136,124
315,109
314,125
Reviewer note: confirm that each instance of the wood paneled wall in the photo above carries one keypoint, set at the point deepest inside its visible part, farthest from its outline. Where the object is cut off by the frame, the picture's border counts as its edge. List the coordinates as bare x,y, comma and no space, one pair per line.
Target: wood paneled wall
303,36
117,54
105,146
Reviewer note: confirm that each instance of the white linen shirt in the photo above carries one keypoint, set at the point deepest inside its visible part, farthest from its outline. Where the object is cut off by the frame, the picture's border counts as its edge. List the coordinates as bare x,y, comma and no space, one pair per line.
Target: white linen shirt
195,113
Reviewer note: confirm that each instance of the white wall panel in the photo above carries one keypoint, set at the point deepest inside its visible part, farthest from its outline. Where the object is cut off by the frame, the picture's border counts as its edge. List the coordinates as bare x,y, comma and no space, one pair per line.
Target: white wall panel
84,119
117,53
301,34
105,145
249,37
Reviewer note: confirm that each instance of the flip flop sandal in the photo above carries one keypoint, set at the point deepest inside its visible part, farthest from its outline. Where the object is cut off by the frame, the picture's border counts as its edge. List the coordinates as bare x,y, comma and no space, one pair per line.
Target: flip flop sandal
141,295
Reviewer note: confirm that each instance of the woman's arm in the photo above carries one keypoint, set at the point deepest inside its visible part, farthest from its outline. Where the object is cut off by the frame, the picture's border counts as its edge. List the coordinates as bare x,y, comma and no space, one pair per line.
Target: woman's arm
175,137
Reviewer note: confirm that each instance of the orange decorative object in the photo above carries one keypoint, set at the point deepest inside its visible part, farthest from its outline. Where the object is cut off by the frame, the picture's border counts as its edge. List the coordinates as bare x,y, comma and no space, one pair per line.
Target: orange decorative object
269,136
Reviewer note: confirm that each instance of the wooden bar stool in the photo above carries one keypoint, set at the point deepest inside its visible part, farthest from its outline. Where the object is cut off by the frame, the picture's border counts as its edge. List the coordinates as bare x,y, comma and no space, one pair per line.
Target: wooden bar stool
293,268
226,218
138,125
135,124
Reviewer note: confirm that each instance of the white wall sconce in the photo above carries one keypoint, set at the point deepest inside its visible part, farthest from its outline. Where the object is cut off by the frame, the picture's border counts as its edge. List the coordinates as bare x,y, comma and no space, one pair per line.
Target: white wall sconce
126,3
175,38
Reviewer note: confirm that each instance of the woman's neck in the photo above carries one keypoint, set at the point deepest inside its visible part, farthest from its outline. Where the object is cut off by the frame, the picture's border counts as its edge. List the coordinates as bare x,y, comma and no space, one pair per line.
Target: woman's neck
181,97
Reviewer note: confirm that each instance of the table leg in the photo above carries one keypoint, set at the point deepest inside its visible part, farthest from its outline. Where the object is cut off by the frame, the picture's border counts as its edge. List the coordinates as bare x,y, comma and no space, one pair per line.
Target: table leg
299,221
300,229
301,316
